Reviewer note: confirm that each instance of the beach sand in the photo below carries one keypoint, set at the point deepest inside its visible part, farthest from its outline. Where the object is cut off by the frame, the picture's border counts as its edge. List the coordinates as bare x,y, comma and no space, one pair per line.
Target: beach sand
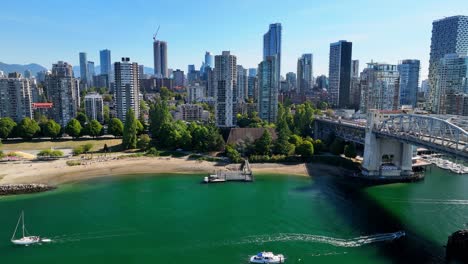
57,172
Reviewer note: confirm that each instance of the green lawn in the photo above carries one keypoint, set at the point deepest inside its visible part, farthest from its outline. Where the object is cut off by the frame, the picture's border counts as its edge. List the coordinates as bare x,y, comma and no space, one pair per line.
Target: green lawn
98,144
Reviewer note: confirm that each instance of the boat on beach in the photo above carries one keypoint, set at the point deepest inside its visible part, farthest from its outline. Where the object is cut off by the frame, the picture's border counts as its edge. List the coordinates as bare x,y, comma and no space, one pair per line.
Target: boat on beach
267,257
24,240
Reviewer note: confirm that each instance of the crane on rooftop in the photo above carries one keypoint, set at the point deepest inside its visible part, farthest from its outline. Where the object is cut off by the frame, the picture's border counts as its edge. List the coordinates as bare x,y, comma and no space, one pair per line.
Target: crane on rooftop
156,34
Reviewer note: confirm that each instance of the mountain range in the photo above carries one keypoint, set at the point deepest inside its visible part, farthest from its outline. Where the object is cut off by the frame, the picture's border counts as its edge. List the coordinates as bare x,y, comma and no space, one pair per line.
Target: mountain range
33,67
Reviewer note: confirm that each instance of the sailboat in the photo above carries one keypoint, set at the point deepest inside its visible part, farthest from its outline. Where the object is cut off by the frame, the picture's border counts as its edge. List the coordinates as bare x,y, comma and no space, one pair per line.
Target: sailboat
25,240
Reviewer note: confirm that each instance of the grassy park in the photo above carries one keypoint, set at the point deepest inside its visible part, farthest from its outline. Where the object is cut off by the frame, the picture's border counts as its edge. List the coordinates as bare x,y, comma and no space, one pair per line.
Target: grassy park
98,144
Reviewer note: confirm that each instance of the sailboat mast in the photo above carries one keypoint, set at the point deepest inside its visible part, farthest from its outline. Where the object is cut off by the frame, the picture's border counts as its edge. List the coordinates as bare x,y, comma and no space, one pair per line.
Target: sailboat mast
16,228
23,222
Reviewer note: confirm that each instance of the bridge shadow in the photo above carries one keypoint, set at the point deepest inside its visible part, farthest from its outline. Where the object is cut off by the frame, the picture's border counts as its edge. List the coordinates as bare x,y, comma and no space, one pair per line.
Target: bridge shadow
365,215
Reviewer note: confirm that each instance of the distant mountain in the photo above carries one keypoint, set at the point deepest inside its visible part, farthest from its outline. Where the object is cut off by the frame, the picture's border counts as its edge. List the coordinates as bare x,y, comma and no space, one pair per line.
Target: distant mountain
33,67
97,70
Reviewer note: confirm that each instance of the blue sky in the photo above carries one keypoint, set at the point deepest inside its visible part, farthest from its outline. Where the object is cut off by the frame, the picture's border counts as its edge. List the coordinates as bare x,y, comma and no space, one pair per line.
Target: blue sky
386,31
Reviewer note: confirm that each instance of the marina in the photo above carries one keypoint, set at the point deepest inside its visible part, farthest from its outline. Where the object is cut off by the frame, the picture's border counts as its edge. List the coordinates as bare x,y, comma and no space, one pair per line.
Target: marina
244,174
446,164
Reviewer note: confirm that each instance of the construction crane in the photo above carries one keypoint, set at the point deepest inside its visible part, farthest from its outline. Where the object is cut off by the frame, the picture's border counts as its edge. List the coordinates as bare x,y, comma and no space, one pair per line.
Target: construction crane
155,34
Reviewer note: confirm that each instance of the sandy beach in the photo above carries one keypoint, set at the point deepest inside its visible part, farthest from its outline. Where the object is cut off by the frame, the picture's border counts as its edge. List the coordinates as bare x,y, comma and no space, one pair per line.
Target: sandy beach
58,172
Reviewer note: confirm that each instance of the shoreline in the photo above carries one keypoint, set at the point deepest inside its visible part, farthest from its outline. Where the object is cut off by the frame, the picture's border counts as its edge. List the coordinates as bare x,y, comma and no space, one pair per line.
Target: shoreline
57,172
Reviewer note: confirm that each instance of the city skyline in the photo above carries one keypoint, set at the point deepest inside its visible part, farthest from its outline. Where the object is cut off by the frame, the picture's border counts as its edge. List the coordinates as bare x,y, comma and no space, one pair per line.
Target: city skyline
374,38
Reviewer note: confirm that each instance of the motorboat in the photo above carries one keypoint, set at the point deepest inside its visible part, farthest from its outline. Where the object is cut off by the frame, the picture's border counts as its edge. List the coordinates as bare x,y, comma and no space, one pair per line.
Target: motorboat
267,257
26,239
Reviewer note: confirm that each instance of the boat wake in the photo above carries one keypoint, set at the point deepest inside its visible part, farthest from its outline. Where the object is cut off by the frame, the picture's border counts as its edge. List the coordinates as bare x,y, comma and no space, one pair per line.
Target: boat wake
430,201
92,235
338,242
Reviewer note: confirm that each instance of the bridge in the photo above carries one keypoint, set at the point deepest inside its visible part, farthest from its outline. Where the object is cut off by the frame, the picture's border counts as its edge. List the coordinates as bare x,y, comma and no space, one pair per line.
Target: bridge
387,140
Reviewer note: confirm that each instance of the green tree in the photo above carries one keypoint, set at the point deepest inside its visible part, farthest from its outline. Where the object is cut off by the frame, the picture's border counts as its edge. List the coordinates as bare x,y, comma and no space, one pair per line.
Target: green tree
106,114
27,128
159,115
233,154
166,94
350,150
129,140
303,119
51,129
94,128
140,127
144,142
322,105
115,127
264,143
318,145
305,149
295,140
82,118
7,126
337,147
73,128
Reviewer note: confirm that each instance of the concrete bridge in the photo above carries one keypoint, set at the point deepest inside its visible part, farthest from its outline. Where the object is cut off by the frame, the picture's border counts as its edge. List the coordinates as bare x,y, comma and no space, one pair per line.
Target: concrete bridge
387,141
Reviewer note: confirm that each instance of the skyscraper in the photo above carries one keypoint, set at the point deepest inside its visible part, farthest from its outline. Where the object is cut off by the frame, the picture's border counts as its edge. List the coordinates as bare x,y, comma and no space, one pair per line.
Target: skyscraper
226,89
449,36
84,68
15,97
339,74
90,74
209,59
268,89
127,90
242,84
291,80
63,92
355,69
380,84
179,78
451,85
160,58
105,61
304,73
409,82
272,47
252,72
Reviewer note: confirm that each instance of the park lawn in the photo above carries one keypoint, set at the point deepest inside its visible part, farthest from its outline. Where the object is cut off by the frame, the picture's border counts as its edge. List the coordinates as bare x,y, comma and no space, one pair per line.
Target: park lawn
98,144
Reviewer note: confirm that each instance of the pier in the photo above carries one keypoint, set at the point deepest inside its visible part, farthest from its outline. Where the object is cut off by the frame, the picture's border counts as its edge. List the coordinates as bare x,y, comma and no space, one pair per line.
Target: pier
244,173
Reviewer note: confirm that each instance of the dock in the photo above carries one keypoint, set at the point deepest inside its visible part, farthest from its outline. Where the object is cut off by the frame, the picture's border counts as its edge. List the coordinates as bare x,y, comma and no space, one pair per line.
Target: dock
244,174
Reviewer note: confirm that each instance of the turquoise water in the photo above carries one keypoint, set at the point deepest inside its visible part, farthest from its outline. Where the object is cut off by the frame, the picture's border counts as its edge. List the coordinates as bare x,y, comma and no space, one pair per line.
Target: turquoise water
175,219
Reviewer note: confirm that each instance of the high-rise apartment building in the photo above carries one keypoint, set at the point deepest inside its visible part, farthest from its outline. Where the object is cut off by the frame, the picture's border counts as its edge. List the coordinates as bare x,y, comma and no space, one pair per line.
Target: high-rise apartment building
355,69
339,74
252,72
305,77
91,73
268,89
272,47
160,58
291,81
94,107
226,89
127,88
84,68
242,84
105,62
64,92
209,59
179,78
449,36
15,97
451,84
380,84
409,82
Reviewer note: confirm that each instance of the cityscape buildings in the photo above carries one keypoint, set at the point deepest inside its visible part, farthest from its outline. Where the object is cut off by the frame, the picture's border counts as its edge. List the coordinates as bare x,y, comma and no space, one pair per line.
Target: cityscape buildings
94,107
305,73
15,97
409,82
339,74
127,91
268,89
84,68
160,58
226,89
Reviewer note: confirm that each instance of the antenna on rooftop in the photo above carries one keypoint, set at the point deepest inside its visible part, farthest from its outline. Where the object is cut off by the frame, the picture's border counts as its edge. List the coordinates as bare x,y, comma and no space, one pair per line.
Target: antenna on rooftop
156,34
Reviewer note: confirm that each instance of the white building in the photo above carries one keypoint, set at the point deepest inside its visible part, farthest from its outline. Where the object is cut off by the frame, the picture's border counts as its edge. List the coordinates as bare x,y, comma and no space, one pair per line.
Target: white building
94,107
15,97
127,88
226,89
195,92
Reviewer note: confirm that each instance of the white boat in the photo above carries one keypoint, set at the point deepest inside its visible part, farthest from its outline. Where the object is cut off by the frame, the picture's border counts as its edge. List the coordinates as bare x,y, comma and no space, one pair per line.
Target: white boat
25,240
267,257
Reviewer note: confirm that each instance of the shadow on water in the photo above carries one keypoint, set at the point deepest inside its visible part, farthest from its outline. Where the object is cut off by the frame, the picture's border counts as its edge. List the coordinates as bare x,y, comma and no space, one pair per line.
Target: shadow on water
368,217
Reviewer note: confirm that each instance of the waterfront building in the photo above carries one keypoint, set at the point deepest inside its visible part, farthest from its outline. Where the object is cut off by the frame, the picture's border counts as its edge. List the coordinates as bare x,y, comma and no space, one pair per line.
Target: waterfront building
409,81
63,91
94,107
380,84
15,97
268,89
226,89
305,73
339,74
160,59
127,88
179,78
449,36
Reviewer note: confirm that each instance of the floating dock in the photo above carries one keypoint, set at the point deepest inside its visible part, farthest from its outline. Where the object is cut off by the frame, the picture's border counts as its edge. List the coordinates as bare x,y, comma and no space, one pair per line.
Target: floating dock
243,174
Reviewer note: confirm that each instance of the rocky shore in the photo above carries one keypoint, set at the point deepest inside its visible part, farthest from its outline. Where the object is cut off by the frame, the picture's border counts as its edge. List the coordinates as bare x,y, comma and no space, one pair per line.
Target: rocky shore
10,189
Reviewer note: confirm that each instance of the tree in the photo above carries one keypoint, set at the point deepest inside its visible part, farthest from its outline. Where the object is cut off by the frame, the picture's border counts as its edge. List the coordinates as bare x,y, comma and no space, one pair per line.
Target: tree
263,144
27,128
350,150
318,145
165,93
140,127
295,140
73,128
129,140
337,147
106,114
7,125
94,128
232,154
51,129
82,118
115,127
159,115
144,142
305,149
322,105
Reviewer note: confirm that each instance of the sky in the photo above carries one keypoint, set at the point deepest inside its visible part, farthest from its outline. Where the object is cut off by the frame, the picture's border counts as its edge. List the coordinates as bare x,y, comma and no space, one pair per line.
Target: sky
47,31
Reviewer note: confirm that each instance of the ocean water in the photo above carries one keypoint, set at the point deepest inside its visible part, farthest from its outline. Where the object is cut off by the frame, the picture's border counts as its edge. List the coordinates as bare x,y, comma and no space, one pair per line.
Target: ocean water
175,219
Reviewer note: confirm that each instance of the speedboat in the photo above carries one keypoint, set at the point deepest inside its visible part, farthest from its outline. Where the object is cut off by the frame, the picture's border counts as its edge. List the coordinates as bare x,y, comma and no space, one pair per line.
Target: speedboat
25,240
267,257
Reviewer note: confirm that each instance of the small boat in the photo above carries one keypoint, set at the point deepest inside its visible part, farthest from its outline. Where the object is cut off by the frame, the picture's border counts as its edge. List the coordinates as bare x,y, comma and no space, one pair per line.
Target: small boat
25,240
267,257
